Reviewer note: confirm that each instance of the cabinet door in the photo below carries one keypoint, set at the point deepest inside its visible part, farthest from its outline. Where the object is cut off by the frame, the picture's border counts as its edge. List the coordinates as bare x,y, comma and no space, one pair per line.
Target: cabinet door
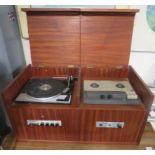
69,131
128,133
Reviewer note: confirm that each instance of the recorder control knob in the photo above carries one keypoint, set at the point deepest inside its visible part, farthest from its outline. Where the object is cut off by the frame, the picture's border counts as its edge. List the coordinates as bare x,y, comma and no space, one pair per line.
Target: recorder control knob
119,125
102,96
94,85
109,97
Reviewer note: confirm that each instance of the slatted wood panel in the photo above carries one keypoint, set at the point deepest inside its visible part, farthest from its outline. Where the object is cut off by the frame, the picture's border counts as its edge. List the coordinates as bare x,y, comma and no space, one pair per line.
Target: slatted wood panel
145,94
105,39
69,131
105,72
78,125
80,36
15,86
55,71
54,39
148,140
139,85
133,121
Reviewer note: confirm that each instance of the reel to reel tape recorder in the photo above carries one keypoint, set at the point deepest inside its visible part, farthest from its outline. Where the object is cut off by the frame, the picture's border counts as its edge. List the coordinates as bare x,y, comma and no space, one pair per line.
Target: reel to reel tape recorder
109,92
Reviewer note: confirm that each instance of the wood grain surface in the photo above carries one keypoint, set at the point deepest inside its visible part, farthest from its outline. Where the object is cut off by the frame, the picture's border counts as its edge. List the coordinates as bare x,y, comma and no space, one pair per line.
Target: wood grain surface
78,119
30,10
54,40
98,43
78,125
144,92
80,37
105,39
148,140
105,72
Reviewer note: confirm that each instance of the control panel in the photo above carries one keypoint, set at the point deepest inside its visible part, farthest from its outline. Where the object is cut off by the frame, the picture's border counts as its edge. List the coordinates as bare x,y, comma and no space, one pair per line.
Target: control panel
102,124
52,123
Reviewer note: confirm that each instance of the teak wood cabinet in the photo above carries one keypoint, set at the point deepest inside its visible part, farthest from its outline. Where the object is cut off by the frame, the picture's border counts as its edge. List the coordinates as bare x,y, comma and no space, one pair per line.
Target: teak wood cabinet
88,44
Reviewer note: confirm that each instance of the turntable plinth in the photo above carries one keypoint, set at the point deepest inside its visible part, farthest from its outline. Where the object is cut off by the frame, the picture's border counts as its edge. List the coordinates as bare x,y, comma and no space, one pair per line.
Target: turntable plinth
96,43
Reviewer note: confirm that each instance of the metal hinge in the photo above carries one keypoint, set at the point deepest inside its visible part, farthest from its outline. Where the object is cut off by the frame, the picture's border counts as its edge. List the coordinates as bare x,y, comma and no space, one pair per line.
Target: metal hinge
90,66
71,66
119,67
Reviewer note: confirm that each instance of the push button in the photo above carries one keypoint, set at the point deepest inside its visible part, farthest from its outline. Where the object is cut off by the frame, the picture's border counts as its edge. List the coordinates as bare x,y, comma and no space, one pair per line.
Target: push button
41,124
56,124
52,124
47,124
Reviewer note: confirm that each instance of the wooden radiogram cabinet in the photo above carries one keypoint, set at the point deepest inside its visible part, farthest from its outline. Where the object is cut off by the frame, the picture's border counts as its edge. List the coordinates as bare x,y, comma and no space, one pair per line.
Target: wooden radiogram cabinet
88,44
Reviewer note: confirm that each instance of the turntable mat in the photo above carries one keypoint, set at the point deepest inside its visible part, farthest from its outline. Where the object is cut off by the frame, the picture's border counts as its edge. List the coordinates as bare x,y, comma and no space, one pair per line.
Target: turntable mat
44,88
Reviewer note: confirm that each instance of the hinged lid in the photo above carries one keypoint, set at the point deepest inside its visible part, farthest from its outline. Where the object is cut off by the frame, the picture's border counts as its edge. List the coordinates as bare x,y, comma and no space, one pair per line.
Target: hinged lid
86,37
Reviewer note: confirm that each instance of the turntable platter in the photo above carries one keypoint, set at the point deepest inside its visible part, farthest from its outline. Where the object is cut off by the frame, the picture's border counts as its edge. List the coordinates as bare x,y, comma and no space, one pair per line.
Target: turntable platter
44,88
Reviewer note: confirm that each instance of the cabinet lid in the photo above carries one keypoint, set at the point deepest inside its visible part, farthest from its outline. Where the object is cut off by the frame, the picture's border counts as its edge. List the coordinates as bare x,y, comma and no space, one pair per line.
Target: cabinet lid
80,36
32,10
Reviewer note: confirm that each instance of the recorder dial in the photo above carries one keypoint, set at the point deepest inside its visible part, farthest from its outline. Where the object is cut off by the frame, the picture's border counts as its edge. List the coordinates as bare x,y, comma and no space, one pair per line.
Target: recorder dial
94,85
102,96
120,85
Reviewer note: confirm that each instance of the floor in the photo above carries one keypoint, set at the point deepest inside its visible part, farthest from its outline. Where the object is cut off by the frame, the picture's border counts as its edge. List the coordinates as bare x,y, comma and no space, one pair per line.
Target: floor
148,140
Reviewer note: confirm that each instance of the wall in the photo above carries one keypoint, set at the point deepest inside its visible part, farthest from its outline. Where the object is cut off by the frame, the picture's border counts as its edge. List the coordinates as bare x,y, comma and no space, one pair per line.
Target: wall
26,48
144,64
11,54
143,36
143,46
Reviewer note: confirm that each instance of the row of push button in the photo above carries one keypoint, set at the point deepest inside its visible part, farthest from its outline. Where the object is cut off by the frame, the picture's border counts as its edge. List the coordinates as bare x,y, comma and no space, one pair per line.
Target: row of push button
49,124
53,123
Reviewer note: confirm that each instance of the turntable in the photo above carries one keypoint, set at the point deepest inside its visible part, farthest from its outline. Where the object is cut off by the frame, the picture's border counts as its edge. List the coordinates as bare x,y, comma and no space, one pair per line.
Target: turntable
47,90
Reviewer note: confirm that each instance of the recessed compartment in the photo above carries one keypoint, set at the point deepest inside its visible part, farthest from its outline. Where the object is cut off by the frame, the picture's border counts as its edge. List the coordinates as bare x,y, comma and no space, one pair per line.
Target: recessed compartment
32,73
109,85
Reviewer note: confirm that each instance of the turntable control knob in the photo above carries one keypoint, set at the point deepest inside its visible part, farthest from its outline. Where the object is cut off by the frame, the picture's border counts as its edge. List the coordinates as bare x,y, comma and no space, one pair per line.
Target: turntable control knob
102,96
109,97
46,124
52,124
56,124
